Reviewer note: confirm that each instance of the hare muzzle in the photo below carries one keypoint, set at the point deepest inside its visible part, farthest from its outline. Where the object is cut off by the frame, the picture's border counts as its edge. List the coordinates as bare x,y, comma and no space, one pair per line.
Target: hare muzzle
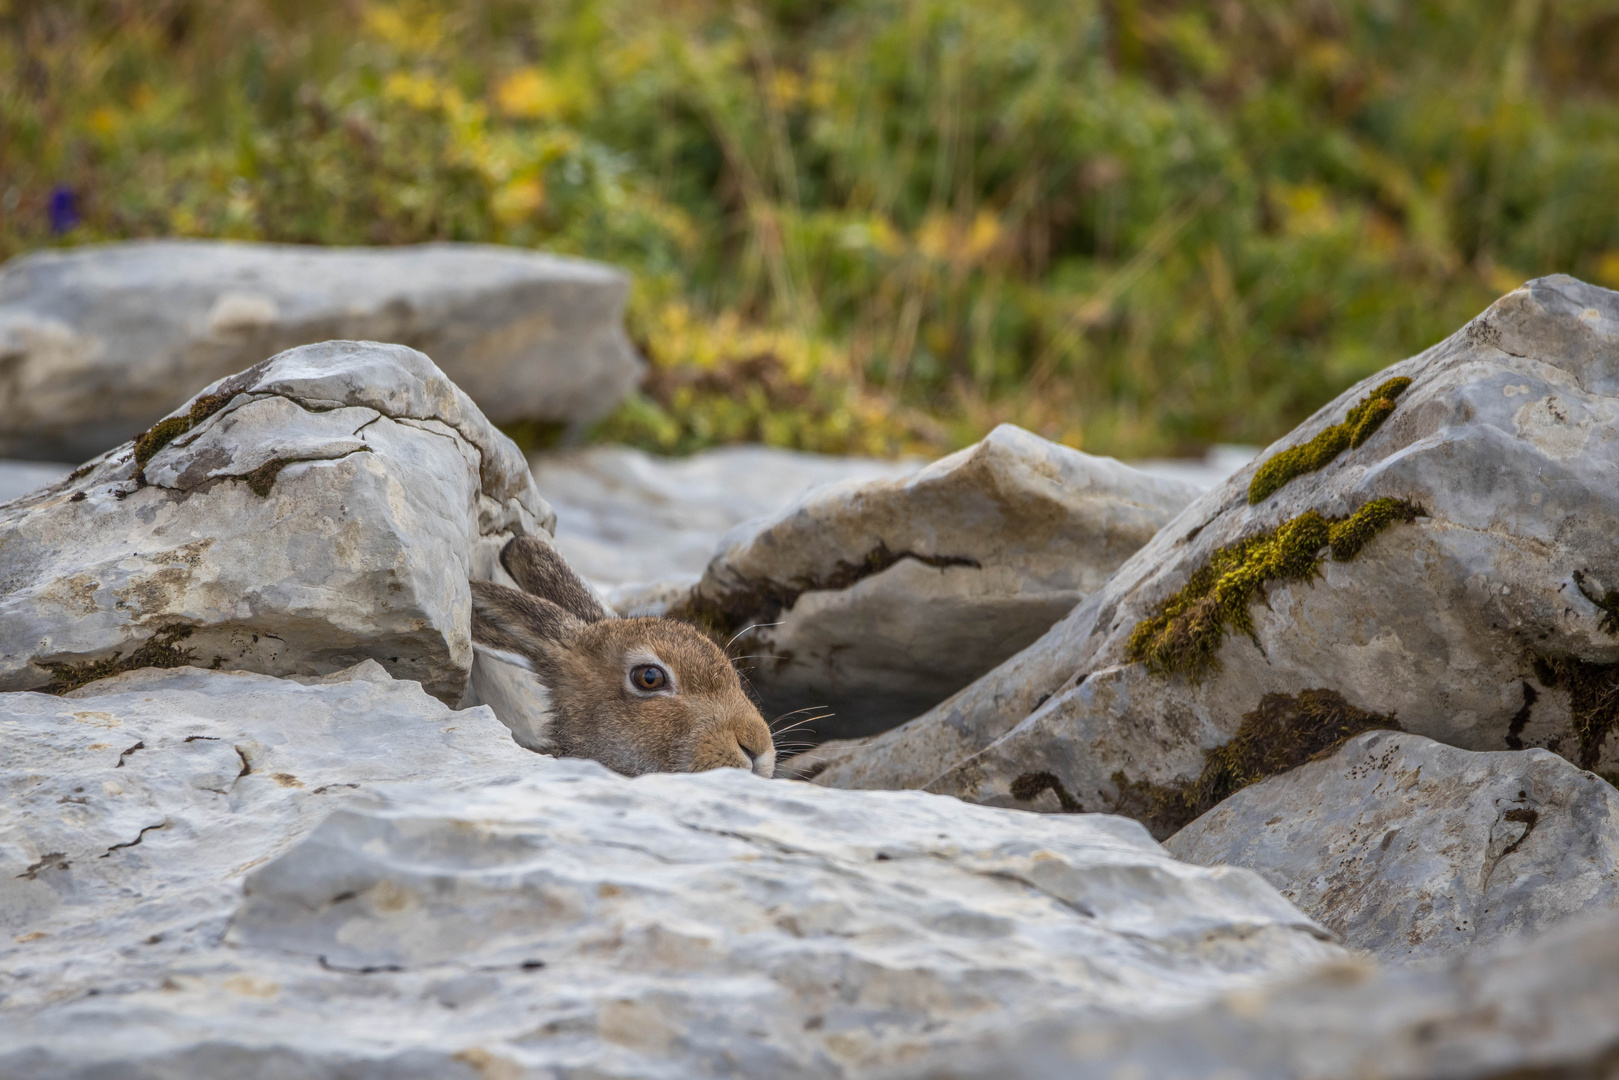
736,741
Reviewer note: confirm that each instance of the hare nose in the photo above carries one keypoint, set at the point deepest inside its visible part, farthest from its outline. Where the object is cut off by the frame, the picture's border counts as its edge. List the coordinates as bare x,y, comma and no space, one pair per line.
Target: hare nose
753,755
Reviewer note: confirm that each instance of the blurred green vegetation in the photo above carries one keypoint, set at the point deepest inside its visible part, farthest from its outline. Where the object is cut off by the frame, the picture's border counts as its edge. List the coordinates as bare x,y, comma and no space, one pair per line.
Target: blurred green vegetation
1136,226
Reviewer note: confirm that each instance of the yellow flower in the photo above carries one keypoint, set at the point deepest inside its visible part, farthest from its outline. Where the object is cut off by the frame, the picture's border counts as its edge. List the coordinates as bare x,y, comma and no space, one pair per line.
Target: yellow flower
104,121
529,94
418,32
1607,269
418,91
518,200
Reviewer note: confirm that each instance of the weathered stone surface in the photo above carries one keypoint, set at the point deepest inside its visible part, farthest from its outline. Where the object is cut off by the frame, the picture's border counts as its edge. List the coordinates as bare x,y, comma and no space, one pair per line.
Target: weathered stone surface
97,343
223,874
1489,622
872,600
1546,1009
640,526
1408,848
329,508
643,527
133,807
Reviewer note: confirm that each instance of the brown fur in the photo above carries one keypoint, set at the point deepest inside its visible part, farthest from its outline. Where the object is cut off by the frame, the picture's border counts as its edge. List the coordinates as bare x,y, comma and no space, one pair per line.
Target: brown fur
704,720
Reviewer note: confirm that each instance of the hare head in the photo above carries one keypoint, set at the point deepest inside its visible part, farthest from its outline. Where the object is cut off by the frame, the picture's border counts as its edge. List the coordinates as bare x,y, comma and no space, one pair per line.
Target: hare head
638,695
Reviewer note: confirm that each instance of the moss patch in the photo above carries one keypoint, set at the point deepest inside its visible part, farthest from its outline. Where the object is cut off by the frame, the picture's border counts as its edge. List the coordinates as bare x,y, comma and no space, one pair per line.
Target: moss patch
159,435
1029,787
1348,536
1357,427
165,431
159,651
1283,733
756,601
1593,692
262,479
1185,632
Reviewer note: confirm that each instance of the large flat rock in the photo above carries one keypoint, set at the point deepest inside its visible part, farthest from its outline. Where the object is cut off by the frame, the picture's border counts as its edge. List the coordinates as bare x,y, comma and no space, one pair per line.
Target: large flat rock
1407,848
224,874
323,507
1486,617
101,341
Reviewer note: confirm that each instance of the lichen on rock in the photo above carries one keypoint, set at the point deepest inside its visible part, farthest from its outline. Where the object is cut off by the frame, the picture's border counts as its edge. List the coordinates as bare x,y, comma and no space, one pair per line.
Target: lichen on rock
1358,426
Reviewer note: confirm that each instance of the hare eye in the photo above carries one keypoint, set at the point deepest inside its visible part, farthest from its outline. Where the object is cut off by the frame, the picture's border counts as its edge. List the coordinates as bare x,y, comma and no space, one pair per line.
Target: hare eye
648,677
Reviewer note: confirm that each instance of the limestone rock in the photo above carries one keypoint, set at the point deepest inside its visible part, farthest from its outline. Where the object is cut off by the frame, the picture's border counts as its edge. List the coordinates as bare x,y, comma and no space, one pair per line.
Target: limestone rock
872,600
133,807
323,507
223,874
1488,621
99,342
1408,848
643,527
1530,1010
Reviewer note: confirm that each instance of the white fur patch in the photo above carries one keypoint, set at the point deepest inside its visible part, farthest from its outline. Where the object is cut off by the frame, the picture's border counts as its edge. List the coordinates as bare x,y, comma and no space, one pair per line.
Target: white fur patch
506,683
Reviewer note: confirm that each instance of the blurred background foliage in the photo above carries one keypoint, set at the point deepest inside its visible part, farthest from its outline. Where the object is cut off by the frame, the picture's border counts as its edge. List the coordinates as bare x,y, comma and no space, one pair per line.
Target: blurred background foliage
877,226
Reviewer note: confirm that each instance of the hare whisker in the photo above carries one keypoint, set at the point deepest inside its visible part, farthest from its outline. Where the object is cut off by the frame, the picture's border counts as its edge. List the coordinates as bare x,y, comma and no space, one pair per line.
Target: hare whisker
745,629
795,712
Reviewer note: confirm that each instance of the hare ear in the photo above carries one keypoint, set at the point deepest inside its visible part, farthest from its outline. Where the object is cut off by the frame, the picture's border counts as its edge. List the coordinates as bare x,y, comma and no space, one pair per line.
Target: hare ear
539,569
530,627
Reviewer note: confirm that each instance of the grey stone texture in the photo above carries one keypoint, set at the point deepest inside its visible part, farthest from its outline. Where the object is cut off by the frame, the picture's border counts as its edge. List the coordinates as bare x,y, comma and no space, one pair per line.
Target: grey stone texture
642,527
872,600
1479,624
1407,848
224,874
98,342
330,509
1541,1009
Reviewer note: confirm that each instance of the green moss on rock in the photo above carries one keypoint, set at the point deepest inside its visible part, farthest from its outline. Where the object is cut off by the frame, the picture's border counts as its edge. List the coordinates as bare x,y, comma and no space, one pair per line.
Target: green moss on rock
1364,419
159,435
1283,733
159,651
1347,537
1186,631
165,431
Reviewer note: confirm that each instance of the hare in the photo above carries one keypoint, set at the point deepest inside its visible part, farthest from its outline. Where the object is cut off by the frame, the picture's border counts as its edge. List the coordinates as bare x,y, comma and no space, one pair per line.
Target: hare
638,695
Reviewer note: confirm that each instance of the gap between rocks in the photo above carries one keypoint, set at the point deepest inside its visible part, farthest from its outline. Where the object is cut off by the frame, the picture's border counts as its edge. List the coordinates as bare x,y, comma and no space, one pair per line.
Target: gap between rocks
752,600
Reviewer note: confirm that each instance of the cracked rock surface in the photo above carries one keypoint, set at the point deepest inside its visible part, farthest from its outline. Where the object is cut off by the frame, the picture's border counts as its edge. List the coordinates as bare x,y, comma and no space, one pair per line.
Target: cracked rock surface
323,507
99,342
1490,622
874,599
1408,848
225,874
